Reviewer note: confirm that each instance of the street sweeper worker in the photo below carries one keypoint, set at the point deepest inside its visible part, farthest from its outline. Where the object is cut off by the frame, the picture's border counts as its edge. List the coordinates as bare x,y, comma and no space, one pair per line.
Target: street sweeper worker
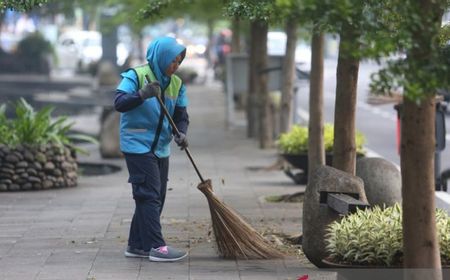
145,136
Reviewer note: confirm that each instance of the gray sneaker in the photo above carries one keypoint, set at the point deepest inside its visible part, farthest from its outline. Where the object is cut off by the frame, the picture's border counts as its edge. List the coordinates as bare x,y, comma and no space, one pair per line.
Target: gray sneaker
166,254
136,253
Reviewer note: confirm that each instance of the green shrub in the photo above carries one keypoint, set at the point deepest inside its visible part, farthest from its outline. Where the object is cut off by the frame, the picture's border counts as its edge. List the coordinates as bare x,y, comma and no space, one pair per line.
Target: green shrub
33,52
37,128
374,237
296,140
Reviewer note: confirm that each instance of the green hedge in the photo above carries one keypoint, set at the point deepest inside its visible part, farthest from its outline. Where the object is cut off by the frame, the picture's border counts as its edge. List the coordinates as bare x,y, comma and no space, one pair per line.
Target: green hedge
296,140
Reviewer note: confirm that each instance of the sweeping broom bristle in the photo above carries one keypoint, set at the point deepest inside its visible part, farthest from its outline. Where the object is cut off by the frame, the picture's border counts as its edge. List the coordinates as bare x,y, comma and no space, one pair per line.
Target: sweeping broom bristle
235,238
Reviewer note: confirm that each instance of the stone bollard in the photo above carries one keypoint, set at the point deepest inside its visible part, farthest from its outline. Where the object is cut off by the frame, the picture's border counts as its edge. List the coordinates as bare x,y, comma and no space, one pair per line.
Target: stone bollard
382,181
109,134
107,74
108,79
316,217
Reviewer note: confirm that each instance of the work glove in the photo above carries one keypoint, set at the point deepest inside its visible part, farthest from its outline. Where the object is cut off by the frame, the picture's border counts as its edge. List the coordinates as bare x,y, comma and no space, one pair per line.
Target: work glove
150,90
181,140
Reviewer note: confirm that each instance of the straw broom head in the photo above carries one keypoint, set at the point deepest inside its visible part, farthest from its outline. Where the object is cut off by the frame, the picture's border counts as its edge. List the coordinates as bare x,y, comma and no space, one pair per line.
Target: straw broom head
235,238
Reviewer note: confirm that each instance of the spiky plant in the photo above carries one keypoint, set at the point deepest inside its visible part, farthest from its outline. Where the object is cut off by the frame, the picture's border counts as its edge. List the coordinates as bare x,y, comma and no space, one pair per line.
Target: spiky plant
37,127
374,237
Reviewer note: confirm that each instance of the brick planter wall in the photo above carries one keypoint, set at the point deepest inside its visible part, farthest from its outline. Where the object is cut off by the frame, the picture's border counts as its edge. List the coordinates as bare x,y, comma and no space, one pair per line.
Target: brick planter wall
37,167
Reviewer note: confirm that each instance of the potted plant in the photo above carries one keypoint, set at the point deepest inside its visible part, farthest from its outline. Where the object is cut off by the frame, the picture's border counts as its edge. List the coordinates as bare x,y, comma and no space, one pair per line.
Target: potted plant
37,152
373,238
293,147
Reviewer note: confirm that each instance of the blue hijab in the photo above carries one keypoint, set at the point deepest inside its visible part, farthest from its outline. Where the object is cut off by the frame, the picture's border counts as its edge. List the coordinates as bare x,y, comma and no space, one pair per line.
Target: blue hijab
160,54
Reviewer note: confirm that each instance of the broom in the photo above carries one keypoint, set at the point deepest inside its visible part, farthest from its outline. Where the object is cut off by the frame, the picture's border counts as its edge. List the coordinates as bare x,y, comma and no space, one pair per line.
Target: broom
235,238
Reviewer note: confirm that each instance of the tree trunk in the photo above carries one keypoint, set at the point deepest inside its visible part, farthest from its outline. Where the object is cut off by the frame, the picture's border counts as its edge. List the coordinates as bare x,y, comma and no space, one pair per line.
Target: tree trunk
257,101
209,48
420,242
421,247
236,35
252,128
344,147
288,75
264,102
316,150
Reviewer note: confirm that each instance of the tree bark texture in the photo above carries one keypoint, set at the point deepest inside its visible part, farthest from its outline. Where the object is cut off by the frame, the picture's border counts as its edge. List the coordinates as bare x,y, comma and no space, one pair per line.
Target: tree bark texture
263,99
236,39
420,242
344,147
288,76
316,150
421,247
252,109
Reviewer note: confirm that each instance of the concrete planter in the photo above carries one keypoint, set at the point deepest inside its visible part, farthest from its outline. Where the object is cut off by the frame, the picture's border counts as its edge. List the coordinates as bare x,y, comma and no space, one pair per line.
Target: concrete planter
37,167
300,161
331,264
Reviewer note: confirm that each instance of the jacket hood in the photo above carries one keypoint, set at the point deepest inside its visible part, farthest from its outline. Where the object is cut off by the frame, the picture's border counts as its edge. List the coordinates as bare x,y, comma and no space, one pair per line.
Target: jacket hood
160,54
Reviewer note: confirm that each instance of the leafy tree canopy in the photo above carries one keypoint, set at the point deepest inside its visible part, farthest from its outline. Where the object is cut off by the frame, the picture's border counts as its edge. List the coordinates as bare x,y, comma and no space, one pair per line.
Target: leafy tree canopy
200,10
424,67
21,6
251,9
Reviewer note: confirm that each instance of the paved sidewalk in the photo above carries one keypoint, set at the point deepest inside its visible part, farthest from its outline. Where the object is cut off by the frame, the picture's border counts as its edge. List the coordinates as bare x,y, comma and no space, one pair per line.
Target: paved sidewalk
81,232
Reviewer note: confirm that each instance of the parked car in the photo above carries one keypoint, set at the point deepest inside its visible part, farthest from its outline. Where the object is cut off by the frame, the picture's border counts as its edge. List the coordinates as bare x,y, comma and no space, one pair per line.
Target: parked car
276,45
82,50
79,49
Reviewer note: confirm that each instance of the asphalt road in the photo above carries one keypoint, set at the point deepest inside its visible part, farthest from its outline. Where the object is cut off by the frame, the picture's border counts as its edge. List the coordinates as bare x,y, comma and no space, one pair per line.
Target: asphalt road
377,122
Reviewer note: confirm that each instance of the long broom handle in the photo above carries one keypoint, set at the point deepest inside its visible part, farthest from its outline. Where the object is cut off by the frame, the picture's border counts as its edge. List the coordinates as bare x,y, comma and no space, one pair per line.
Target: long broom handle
177,132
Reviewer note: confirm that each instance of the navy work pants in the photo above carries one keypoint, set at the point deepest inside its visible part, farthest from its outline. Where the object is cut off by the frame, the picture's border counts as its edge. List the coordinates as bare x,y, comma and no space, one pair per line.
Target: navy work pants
148,177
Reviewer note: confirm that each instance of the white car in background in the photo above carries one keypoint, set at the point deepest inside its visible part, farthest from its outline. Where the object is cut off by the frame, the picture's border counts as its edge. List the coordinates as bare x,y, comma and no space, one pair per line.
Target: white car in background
276,45
81,50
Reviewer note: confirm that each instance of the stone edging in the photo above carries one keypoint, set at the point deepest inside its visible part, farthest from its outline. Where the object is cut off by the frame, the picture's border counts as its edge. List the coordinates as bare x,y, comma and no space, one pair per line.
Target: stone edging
37,167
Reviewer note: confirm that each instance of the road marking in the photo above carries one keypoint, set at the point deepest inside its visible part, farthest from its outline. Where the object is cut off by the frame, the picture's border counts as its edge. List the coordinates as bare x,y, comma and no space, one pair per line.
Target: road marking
303,114
377,111
372,154
364,106
447,137
443,200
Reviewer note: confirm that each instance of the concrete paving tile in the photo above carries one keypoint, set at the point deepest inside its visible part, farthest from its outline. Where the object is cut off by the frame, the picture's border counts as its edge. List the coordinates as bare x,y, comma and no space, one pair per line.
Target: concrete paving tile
258,275
8,241
63,272
116,275
12,233
19,275
163,277
39,254
9,262
72,256
222,275
4,249
20,220
81,233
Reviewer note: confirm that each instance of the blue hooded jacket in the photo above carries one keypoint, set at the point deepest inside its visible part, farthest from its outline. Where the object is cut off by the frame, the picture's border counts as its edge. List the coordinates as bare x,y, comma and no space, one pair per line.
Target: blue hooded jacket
142,127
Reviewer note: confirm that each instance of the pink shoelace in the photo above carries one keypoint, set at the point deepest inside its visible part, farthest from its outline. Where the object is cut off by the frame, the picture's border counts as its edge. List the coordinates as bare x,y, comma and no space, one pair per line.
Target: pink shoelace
162,250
